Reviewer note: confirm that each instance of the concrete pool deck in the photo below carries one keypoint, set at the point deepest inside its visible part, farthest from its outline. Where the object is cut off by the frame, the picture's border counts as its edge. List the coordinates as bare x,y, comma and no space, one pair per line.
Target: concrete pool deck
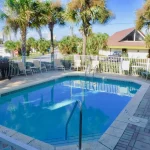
123,134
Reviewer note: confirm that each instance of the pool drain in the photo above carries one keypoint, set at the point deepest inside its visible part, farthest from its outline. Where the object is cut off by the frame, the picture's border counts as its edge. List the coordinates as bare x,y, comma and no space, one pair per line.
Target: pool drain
135,120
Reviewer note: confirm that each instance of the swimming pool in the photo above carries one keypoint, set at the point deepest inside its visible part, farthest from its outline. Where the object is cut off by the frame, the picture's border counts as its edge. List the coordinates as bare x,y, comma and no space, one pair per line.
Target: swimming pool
42,111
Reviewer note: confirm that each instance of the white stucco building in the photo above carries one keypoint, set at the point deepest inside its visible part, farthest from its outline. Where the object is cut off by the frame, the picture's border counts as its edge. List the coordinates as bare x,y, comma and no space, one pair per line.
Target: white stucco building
130,41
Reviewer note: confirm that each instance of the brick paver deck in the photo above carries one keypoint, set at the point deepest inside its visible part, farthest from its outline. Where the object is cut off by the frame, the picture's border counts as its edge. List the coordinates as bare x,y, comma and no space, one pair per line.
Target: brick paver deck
134,137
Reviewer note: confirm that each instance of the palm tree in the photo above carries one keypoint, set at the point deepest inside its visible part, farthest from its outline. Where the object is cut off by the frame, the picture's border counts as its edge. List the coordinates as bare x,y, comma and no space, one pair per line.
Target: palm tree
147,40
54,15
96,42
7,32
86,13
143,20
42,46
38,17
32,42
143,16
17,14
69,45
10,46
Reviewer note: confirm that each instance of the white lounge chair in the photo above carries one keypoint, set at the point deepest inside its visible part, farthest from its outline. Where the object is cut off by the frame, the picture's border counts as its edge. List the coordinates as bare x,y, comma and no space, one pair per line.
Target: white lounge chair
92,67
76,65
95,64
23,69
58,65
125,66
38,65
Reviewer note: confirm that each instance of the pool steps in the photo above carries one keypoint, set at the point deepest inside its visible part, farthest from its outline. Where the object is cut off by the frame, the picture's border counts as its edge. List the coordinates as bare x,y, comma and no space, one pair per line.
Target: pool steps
72,140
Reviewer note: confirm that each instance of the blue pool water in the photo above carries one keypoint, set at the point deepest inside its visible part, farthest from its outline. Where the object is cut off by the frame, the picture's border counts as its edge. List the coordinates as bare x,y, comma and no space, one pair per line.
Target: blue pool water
42,111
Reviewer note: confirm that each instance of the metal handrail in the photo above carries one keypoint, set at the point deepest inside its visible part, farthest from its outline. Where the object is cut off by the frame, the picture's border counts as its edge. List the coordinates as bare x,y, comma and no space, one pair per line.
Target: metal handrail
94,70
80,127
80,123
66,134
88,70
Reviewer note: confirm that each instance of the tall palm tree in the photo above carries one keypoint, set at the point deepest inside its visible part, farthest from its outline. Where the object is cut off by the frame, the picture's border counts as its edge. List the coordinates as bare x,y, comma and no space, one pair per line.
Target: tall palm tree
17,14
86,13
38,17
54,15
143,16
143,20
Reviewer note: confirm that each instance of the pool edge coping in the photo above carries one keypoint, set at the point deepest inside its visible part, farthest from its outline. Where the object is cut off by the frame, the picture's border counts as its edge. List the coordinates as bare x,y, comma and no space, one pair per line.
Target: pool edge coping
105,137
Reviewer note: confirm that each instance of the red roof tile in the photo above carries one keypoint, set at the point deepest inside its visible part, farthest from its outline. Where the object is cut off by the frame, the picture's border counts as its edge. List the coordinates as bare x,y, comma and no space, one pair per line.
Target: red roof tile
115,39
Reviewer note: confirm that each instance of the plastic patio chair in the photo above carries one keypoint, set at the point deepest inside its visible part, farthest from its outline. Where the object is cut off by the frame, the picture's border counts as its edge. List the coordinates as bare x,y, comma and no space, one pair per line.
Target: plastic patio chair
76,65
48,65
23,69
125,66
38,65
58,65
95,64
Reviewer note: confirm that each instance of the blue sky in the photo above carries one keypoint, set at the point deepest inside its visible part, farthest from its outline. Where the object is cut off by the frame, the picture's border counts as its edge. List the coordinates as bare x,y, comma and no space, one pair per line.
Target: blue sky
125,16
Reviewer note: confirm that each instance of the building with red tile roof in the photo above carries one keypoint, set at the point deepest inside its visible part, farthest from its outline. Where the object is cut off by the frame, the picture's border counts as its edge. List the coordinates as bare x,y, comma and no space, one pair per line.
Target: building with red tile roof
129,41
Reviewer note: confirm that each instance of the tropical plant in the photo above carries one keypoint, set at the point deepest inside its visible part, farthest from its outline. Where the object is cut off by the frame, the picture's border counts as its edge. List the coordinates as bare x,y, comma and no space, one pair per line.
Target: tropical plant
143,20
18,47
38,17
147,40
32,42
86,13
69,45
54,15
7,32
10,46
17,14
143,16
43,46
96,42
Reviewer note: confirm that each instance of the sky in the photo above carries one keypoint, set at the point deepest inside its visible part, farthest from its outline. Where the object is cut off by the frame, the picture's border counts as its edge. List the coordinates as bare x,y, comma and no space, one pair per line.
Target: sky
123,10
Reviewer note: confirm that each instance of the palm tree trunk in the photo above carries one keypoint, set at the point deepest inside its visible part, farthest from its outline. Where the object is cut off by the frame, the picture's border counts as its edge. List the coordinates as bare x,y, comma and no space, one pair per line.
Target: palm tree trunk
51,28
23,46
84,44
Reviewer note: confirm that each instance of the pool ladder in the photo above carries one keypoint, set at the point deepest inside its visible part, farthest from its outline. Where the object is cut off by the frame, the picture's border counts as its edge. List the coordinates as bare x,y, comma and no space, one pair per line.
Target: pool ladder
89,69
80,123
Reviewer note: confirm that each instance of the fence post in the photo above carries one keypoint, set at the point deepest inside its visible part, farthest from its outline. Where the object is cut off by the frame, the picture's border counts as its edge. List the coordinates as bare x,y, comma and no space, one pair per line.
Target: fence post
148,64
120,67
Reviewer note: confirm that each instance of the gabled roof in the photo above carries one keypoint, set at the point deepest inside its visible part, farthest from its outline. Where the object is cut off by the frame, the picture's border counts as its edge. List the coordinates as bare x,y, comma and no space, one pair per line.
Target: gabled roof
115,40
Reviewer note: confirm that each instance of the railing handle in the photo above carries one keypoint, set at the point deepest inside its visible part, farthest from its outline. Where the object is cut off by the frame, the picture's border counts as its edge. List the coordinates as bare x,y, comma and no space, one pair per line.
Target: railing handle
66,135
80,123
80,127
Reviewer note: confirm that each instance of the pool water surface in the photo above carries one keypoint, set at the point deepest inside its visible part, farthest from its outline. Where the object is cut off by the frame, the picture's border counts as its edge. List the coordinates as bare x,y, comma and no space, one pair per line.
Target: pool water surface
42,111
